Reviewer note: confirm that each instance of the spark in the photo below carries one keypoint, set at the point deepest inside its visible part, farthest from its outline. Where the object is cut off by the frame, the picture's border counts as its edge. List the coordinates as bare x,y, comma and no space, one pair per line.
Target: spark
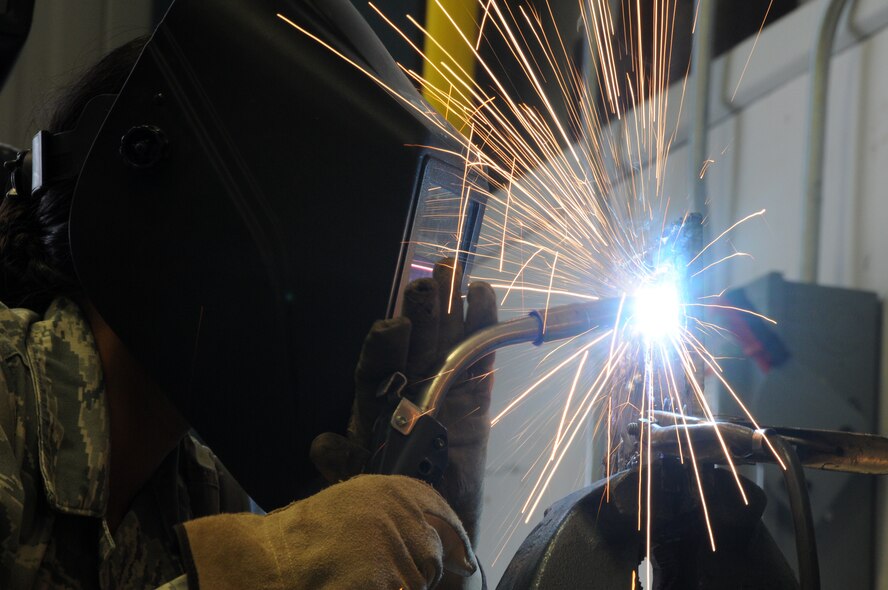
706,164
717,262
573,388
506,220
574,180
586,407
518,399
520,273
549,293
732,308
696,469
726,232
752,51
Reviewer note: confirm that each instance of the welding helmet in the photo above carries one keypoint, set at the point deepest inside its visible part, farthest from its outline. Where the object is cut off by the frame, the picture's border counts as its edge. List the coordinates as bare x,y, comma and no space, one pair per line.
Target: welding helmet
250,204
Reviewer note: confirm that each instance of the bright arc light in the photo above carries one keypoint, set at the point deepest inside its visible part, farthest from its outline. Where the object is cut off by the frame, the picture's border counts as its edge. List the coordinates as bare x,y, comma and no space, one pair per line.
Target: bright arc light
658,310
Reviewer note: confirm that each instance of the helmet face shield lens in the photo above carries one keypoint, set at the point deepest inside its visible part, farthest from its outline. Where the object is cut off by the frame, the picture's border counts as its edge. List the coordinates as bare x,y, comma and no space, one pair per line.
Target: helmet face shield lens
445,224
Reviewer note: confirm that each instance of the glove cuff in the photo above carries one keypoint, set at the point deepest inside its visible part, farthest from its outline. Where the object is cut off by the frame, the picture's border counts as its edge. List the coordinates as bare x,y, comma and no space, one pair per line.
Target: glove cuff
228,552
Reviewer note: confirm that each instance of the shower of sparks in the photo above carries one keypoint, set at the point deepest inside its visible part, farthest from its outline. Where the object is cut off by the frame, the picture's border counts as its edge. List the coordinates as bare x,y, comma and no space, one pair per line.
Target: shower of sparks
574,189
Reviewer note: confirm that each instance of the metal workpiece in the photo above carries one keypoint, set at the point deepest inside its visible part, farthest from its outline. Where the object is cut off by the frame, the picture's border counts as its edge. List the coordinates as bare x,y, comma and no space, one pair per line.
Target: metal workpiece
748,445
556,323
793,448
555,555
802,518
745,443
833,450
706,437
829,450
590,539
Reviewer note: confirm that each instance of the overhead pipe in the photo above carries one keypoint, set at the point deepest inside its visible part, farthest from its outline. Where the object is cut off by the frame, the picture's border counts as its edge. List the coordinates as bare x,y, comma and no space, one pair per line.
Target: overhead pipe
701,66
812,205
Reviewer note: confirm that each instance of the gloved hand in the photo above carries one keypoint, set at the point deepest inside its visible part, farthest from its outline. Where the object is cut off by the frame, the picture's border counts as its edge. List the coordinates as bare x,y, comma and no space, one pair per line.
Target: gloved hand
416,345
373,531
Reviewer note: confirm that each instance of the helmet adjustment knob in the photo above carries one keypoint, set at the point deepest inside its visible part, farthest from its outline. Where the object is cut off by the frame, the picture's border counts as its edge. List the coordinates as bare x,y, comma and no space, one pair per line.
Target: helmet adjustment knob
143,146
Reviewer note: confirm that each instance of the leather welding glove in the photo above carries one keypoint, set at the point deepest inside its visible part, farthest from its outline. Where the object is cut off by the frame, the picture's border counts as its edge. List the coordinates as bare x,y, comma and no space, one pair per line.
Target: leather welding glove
373,531
415,345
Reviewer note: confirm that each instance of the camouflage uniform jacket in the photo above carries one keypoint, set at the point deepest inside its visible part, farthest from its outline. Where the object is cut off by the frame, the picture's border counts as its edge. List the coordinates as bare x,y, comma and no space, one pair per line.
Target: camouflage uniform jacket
54,440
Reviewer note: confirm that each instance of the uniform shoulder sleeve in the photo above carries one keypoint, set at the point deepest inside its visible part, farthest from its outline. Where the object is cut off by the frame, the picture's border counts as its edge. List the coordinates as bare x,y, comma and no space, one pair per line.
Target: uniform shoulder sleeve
12,493
14,326
18,558
224,495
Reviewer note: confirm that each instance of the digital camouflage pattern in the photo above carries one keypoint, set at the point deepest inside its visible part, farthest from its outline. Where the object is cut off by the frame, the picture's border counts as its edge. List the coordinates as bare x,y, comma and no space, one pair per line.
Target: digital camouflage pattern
54,440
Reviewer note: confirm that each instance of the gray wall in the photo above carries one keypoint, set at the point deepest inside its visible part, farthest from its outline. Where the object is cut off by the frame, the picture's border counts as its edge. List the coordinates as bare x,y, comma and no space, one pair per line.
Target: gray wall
66,38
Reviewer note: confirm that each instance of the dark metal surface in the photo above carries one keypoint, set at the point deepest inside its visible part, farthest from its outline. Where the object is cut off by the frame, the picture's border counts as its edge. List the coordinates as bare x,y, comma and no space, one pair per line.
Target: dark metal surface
588,542
832,450
591,541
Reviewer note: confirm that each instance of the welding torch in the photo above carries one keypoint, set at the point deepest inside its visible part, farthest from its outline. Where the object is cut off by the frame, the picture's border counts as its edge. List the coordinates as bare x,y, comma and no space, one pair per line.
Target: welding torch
416,443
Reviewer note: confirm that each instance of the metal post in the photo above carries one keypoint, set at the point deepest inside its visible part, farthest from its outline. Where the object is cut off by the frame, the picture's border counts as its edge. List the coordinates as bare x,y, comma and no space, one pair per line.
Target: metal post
813,196
701,60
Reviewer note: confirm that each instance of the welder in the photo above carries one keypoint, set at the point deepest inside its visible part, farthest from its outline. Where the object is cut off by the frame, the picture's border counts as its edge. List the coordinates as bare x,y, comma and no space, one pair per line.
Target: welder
168,264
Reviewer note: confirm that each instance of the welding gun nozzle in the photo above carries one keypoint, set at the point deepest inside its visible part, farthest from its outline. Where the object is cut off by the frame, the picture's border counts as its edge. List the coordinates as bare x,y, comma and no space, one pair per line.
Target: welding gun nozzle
567,321
556,323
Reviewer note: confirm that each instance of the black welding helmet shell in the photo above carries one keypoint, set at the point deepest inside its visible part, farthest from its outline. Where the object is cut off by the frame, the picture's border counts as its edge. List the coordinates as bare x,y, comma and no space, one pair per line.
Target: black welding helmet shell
245,213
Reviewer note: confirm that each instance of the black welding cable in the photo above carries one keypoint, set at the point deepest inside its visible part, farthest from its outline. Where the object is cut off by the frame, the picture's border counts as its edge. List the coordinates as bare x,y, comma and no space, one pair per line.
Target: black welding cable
802,519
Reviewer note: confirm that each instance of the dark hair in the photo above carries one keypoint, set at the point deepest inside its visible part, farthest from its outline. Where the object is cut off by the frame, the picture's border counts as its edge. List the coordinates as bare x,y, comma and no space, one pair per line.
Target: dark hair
35,254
